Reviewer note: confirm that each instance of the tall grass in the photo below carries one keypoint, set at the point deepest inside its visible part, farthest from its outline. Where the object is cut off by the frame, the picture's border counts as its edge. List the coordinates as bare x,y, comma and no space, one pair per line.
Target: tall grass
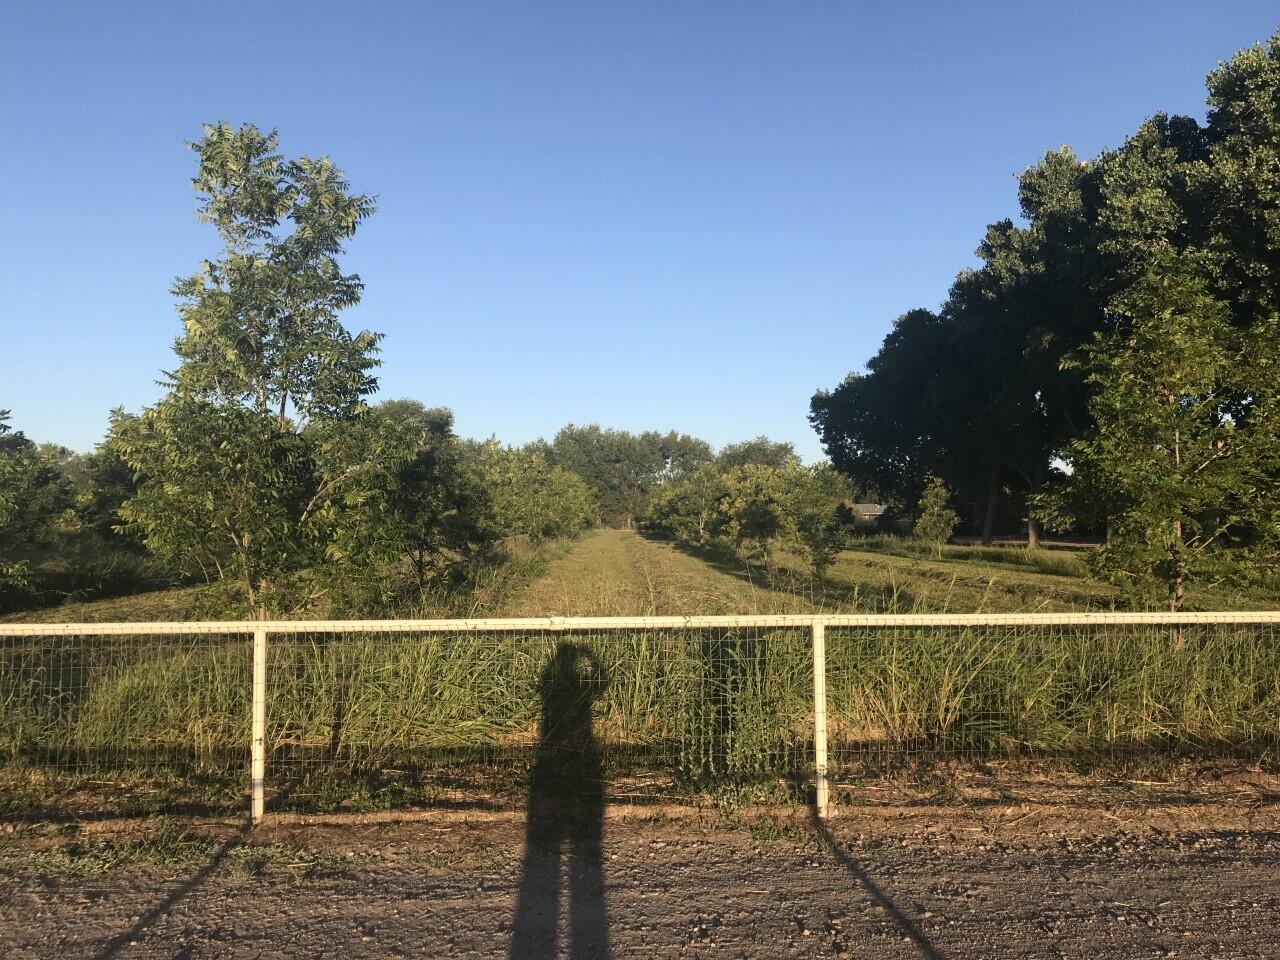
690,704
675,710
1065,691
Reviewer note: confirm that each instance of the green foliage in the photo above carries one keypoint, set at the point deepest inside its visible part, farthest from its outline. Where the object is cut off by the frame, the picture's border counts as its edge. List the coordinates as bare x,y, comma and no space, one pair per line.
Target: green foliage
819,524
689,509
247,464
760,451
937,520
36,509
1187,440
754,506
426,503
621,468
1243,193
260,324
57,519
983,393
105,483
529,496
438,500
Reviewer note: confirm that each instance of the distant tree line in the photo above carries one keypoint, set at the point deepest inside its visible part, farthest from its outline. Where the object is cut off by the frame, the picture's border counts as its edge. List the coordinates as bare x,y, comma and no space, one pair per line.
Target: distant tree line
1111,366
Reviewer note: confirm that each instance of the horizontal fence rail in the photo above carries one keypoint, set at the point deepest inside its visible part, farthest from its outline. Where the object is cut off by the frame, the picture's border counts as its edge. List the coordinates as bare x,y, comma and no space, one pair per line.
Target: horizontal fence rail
359,714
643,623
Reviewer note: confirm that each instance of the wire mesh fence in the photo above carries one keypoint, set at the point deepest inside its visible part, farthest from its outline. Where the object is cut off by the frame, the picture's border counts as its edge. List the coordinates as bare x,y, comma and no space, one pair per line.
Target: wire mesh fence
1094,690
137,718
644,715
124,722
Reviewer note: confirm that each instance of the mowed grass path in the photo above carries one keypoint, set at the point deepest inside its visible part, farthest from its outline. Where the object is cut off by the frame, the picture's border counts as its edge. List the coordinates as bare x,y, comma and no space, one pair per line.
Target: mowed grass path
620,572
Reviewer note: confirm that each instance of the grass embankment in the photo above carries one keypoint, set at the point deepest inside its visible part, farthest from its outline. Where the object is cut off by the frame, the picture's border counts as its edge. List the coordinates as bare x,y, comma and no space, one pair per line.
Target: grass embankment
1010,578
487,591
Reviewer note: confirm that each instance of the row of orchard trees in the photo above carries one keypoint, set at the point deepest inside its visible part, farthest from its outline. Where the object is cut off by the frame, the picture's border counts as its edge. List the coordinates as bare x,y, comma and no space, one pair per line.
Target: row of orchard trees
1112,363
266,463
264,457
752,498
57,520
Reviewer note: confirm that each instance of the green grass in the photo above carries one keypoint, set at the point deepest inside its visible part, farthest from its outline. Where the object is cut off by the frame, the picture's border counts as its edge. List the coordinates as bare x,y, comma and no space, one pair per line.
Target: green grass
169,848
1061,562
365,721
177,603
368,721
1061,691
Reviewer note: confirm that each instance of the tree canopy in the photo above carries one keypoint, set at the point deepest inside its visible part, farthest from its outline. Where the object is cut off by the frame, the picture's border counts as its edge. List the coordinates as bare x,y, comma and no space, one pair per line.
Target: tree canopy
1008,393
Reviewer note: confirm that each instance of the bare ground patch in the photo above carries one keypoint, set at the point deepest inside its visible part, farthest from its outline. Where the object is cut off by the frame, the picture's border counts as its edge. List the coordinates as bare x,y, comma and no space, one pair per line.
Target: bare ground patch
1141,871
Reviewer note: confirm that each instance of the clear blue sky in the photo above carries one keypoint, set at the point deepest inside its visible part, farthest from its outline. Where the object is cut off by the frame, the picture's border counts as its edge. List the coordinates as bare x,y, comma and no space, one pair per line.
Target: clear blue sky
645,214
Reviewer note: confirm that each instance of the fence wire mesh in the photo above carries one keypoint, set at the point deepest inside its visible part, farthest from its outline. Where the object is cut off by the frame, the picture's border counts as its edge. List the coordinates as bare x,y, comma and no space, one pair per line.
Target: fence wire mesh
901,695
124,723
473,718
157,718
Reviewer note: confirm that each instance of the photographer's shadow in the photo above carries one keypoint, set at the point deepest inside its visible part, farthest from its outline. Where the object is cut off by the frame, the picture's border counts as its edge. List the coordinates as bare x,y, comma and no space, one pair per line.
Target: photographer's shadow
566,817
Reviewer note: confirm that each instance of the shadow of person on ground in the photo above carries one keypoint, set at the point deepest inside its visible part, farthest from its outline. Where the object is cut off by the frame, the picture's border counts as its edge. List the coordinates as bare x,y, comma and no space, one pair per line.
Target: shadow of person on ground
566,817
905,924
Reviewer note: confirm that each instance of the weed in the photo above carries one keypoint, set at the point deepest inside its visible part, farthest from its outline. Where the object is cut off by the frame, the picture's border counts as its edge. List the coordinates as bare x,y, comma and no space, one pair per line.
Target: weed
173,850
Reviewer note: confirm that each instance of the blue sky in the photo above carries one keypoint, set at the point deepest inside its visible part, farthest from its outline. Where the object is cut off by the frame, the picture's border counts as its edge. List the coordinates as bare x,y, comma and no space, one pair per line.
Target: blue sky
648,214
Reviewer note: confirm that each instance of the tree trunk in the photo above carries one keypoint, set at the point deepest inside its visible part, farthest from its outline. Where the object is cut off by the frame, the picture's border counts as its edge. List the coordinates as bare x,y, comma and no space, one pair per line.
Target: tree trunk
1034,529
419,561
250,586
1178,577
993,503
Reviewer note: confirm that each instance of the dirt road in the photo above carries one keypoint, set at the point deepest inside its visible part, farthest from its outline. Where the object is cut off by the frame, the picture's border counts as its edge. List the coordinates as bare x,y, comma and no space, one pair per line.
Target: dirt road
906,883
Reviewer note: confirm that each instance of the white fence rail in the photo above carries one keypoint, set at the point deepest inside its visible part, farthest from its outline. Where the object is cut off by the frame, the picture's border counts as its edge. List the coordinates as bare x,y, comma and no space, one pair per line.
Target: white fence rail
729,694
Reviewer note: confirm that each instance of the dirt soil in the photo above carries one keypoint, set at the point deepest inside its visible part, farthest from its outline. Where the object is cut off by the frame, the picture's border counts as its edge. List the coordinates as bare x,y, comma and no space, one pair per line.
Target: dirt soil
1200,880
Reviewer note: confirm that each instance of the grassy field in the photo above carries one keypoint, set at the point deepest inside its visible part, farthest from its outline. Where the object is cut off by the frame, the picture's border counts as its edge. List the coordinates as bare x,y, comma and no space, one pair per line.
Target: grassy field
621,572
411,720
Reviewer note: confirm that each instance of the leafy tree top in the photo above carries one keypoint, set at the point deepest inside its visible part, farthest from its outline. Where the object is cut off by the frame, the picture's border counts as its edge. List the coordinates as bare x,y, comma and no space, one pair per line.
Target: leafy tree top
260,322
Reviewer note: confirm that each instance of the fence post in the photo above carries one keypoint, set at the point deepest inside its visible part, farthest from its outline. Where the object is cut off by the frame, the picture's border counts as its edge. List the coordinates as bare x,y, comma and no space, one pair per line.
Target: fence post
258,745
821,787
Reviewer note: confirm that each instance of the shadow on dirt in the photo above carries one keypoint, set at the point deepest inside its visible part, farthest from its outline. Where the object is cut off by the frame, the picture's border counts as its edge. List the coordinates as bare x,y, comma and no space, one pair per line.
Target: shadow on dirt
877,895
121,941
565,822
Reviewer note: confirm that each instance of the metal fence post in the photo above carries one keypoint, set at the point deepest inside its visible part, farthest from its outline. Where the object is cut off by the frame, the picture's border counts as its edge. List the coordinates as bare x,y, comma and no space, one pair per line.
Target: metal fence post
258,746
821,787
